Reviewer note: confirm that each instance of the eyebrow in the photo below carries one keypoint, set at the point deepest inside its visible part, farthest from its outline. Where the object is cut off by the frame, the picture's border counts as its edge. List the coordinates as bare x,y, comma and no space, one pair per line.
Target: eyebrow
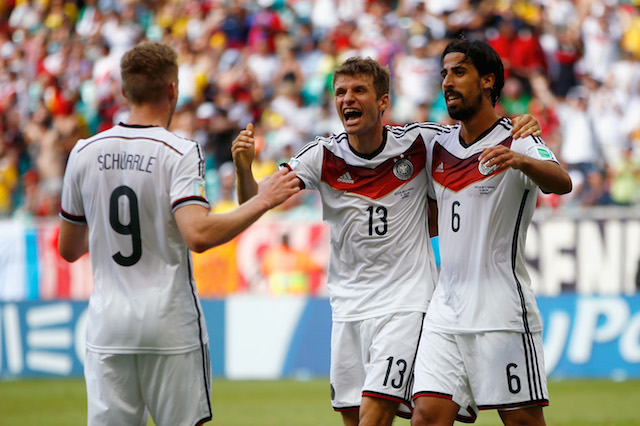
459,65
359,86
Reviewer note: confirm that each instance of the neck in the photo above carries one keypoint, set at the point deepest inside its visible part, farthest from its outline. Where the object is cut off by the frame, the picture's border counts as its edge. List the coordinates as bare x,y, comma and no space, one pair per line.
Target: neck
367,142
475,126
149,115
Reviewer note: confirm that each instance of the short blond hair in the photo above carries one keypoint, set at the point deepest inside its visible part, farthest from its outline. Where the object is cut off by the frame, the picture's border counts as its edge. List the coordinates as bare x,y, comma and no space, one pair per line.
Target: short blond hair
146,70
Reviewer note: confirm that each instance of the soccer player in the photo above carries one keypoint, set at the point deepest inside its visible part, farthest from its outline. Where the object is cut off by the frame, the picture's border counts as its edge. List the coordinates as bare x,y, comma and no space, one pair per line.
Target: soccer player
373,187
133,197
481,344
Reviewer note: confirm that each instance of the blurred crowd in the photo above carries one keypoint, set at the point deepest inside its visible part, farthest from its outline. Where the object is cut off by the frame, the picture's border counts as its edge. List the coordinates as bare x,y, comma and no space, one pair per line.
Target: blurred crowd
573,64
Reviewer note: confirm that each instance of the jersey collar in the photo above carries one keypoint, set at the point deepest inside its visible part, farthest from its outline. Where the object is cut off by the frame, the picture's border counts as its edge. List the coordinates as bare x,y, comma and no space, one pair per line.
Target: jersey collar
374,153
137,126
485,133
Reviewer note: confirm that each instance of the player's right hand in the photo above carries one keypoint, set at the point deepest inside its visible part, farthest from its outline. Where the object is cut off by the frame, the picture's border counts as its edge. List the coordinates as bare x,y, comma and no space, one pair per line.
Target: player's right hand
243,148
275,189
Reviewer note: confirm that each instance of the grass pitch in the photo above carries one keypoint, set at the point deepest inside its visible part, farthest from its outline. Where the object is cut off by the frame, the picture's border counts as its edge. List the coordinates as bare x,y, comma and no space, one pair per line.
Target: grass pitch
306,403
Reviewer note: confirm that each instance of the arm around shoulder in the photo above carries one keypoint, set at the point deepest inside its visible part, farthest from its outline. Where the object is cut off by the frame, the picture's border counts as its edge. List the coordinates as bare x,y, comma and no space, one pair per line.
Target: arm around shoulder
548,175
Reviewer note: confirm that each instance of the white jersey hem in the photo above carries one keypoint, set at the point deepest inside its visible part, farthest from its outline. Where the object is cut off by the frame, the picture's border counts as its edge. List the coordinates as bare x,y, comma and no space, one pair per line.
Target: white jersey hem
452,330
369,315
143,350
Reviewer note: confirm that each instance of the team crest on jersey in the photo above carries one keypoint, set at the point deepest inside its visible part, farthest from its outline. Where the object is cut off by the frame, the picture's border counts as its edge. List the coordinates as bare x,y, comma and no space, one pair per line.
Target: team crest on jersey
403,169
486,170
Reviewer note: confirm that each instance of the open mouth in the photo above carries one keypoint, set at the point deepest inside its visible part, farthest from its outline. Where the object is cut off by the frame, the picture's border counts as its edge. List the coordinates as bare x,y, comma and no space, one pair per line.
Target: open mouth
351,114
452,98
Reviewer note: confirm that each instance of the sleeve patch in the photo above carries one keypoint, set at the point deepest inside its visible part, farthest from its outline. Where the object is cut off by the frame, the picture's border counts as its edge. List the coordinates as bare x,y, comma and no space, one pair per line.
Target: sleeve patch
544,153
199,189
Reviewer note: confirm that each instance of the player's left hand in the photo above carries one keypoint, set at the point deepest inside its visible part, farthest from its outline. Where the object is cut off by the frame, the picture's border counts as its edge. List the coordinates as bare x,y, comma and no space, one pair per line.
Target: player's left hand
243,149
502,158
525,125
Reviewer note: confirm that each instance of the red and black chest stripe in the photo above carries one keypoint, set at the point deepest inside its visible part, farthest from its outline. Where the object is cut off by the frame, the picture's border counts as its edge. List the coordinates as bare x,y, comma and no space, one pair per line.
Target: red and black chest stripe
377,182
456,173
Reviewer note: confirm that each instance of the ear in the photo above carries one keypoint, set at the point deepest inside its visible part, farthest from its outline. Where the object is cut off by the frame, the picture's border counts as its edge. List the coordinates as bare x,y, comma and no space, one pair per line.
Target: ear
123,94
383,102
488,81
172,91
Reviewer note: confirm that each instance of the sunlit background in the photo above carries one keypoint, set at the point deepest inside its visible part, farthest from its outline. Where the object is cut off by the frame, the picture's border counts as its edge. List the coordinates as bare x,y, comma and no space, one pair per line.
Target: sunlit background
573,64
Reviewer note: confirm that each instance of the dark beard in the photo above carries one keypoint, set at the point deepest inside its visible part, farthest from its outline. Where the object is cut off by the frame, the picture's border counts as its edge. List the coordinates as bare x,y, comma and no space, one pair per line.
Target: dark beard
465,112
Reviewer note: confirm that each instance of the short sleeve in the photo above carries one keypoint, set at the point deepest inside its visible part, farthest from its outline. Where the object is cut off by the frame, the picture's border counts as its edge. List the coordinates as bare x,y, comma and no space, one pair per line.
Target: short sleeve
535,147
71,206
187,181
307,164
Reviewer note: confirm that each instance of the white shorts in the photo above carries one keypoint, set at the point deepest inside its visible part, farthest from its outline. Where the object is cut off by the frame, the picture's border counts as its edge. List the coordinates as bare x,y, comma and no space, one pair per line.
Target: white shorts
123,389
375,358
492,370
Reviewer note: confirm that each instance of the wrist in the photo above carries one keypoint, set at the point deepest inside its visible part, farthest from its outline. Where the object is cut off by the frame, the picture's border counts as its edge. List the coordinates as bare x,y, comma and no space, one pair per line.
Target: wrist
263,202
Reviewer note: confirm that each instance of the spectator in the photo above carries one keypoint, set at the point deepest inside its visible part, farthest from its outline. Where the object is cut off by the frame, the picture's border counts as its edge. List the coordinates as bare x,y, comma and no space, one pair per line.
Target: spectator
601,34
625,179
519,46
8,177
514,99
416,78
566,53
579,147
64,55
264,27
289,271
27,15
606,109
227,199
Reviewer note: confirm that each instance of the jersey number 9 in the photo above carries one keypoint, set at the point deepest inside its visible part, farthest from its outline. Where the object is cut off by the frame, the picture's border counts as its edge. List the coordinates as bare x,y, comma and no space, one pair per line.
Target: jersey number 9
132,228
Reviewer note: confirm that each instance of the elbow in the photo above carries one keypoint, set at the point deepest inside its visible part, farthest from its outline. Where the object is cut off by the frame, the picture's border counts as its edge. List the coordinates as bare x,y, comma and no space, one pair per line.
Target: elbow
200,243
198,248
566,186
196,244
567,189
560,189
560,185
69,255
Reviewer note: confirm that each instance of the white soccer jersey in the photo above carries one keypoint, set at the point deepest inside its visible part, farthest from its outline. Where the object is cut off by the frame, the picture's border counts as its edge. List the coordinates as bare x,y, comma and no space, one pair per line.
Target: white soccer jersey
125,183
482,224
376,208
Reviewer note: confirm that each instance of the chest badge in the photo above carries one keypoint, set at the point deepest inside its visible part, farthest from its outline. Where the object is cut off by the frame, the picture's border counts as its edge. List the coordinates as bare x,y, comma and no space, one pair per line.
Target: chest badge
403,169
486,170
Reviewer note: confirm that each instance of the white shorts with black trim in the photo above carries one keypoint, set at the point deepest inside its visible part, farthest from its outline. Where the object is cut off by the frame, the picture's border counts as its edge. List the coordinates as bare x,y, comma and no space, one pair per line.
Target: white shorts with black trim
123,389
492,370
374,358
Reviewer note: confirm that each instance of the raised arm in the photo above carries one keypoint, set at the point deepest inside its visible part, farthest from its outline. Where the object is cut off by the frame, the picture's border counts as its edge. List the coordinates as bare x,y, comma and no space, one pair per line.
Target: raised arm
202,229
548,175
243,151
